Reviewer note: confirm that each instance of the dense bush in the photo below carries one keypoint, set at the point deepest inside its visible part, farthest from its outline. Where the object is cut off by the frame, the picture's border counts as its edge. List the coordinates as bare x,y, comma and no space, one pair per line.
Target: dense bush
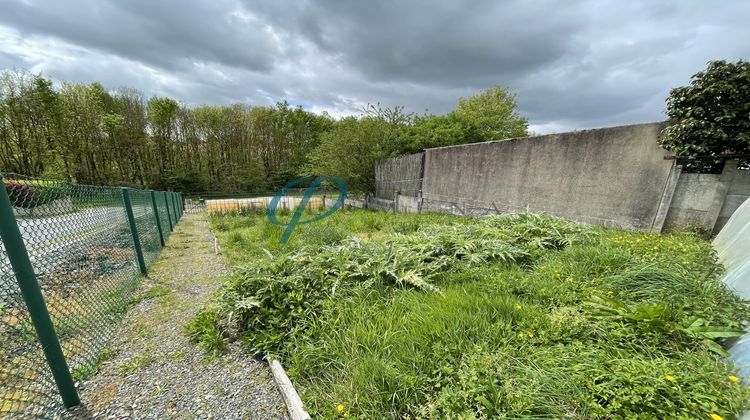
521,315
710,116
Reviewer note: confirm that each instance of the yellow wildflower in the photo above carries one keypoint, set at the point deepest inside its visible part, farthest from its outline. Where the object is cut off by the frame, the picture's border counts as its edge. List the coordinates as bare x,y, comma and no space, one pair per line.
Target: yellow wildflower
670,378
518,306
733,378
569,280
531,334
340,408
715,416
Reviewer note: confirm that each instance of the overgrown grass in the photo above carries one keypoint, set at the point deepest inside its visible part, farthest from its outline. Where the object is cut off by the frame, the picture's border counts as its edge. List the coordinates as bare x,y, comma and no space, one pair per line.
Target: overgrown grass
434,316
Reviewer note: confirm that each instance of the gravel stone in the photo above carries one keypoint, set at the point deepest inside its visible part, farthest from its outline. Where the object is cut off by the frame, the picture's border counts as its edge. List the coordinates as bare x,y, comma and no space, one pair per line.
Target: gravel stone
157,373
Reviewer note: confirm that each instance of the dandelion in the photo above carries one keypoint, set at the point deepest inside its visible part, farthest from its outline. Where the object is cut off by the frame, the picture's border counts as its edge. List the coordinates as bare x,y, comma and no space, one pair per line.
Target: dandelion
670,378
531,334
715,416
518,306
733,378
340,408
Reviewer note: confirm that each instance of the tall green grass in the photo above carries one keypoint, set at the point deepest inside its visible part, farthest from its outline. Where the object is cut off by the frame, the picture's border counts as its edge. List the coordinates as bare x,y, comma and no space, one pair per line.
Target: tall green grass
433,316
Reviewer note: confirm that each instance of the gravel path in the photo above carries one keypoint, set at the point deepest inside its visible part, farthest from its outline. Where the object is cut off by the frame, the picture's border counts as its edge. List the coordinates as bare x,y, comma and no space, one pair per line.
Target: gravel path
154,371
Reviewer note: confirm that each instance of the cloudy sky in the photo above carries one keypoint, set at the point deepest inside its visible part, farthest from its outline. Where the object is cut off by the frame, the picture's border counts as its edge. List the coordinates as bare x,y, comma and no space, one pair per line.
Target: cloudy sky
573,64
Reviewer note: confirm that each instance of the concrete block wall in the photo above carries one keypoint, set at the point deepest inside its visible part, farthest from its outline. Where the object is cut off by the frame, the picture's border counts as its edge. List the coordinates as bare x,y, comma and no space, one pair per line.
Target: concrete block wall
380,204
615,177
738,193
401,174
708,200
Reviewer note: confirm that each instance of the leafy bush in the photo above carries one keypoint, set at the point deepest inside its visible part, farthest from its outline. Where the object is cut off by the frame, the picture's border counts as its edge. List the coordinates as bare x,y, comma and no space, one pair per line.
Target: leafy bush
518,315
709,117
587,382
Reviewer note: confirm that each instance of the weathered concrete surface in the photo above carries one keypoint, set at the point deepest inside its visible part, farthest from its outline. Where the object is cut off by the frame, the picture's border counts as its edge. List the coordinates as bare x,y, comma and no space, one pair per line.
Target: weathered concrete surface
739,191
380,204
692,200
613,176
708,200
402,174
408,204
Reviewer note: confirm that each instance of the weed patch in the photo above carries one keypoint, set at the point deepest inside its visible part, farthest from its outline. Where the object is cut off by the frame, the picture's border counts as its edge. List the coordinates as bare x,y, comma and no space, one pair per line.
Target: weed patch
433,316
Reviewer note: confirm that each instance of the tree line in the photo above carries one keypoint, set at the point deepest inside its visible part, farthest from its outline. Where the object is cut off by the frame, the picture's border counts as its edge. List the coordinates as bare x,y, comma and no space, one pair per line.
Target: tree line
88,134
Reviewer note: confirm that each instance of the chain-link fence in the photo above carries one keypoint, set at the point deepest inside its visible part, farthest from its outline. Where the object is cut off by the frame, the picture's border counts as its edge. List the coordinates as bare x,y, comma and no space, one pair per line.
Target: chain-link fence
70,260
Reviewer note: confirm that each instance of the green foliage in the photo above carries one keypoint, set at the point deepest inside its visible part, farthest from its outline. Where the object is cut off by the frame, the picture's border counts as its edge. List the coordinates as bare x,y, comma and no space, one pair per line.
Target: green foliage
434,131
710,117
433,316
584,381
352,147
658,320
491,114
486,116
203,329
90,135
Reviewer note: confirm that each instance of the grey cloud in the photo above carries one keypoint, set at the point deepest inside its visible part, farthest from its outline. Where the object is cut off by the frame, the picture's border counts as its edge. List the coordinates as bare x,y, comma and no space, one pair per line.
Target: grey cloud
169,34
576,64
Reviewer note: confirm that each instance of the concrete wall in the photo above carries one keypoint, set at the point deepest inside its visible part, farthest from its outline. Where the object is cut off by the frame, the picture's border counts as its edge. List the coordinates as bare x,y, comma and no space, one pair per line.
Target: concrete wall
380,204
403,174
408,204
613,176
738,193
708,200
692,201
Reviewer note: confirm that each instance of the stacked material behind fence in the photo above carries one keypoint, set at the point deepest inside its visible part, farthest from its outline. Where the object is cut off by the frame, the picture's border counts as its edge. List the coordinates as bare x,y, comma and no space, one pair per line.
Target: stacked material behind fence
81,245
241,205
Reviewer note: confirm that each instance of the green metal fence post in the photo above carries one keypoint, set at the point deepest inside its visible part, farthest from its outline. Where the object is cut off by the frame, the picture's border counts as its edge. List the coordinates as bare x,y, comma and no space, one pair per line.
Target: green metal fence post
182,203
156,216
169,213
32,295
177,205
176,210
134,230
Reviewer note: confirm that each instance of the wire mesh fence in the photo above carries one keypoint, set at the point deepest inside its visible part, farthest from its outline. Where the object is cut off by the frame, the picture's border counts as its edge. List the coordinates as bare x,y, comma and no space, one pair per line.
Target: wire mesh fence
164,214
68,271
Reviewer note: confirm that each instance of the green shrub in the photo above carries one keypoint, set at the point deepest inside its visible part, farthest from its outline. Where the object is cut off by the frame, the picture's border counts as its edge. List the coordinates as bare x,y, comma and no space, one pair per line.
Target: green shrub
204,330
582,381
432,316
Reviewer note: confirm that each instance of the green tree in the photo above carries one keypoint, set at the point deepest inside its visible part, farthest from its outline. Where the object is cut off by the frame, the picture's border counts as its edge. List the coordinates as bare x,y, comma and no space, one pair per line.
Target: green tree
88,134
486,116
350,150
429,131
491,114
711,116
27,126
